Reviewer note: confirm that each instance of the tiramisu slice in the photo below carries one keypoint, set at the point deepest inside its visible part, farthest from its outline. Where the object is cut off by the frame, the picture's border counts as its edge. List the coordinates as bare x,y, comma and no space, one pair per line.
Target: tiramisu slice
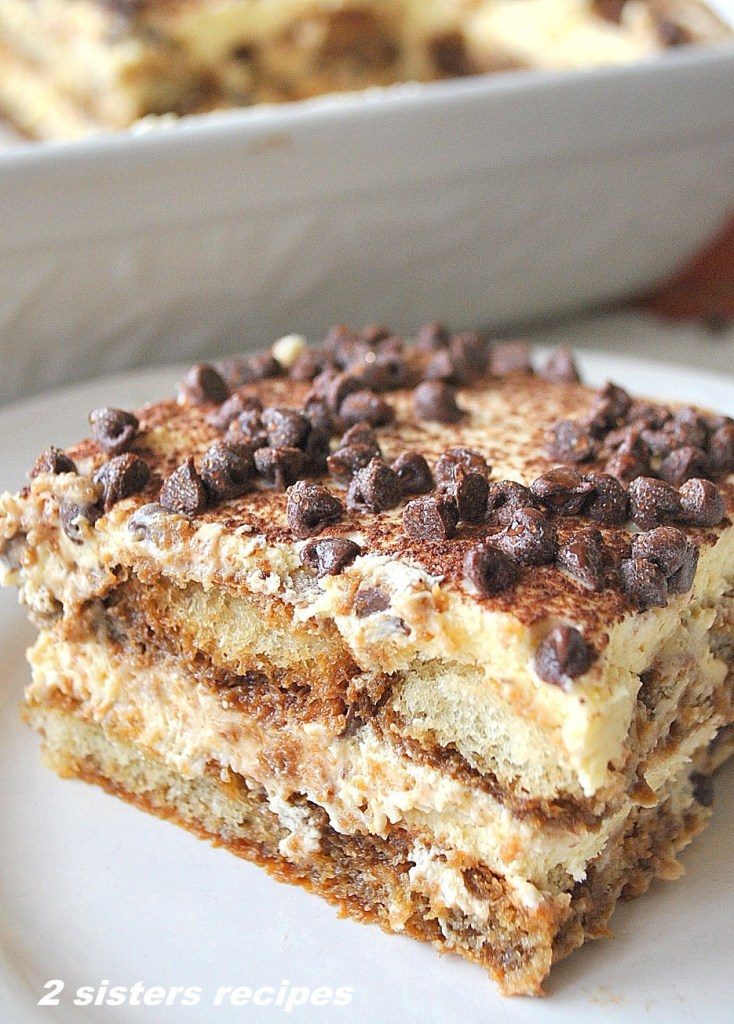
71,67
442,637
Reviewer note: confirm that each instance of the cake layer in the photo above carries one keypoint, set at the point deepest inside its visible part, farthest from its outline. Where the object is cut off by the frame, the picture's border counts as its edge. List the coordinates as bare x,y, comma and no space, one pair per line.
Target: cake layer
403,882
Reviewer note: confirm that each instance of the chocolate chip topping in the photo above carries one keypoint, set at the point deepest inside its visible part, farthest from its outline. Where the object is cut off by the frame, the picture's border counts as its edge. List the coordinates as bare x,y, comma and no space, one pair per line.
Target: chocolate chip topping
345,460
202,385
683,464
469,491
261,366
184,491
562,491
644,583
609,410
510,357
608,503
280,466
227,470
114,430
460,461
665,545
365,407
652,502
701,503
432,336
310,508
238,403
570,441
374,488
52,460
330,555
71,513
319,415
370,601
285,427
432,517
414,473
121,477
721,449
334,387
561,367
247,429
563,656
530,537
504,498
582,555
310,364
488,571
435,401
626,466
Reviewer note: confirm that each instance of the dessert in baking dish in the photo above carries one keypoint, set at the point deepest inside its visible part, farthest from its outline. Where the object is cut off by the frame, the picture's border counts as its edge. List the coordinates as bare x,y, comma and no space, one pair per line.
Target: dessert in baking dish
446,639
70,67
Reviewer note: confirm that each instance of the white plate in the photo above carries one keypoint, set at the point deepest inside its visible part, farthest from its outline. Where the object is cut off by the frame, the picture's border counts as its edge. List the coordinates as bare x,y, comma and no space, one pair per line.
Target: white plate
92,890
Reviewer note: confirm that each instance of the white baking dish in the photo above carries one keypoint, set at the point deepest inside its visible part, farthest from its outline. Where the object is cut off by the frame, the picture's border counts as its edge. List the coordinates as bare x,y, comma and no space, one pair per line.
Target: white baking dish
492,200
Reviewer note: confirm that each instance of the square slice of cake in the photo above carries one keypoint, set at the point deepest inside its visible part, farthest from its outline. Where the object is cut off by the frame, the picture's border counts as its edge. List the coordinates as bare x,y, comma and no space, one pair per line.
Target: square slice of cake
442,636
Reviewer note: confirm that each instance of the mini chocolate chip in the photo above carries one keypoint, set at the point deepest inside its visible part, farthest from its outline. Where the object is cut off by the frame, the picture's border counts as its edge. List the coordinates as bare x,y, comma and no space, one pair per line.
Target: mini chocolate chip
202,385
703,788
666,546
721,449
505,497
530,537
435,401
562,491
280,465
460,460
644,583
121,477
374,488
52,460
646,414
238,403
114,430
261,366
488,571
317,450
432,336
227,470
432,517
561,367
702,503
360,433
441,366
70,514
570,441
310,508
144,520
469,491
365,407
563,656
414,473
319,415
610,408
383,373
582,555
330,555
285,427
310,364
370,601
682,580
608,503
625,466
652,502
247,429
374,333
184,491
334,387
233,371
345,461
683,464
470,354
689,427
510,357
